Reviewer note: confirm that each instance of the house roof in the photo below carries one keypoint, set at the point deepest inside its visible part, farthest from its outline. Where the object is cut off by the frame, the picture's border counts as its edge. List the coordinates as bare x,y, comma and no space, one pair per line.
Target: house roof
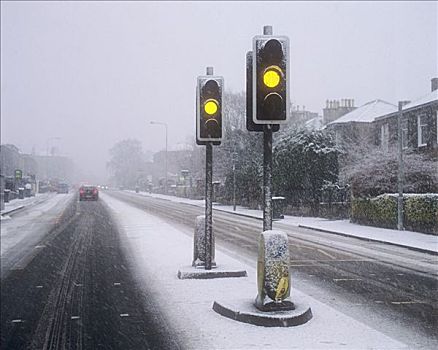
430,97
367,113
314,123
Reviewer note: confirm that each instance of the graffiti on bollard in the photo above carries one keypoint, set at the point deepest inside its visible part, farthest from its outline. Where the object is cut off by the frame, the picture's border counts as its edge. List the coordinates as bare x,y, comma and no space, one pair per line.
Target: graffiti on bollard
273,278
199,243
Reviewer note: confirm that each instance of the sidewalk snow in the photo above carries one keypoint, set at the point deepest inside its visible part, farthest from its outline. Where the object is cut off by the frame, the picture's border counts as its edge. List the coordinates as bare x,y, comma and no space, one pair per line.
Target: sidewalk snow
415,240
18,203
158,250
25,227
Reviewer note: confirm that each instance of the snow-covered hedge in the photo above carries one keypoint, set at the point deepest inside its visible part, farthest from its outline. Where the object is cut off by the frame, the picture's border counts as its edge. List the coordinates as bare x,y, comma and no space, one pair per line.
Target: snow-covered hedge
420,212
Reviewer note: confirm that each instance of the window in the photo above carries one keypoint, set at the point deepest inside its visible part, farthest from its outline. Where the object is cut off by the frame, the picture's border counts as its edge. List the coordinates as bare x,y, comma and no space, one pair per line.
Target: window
385,136
422,130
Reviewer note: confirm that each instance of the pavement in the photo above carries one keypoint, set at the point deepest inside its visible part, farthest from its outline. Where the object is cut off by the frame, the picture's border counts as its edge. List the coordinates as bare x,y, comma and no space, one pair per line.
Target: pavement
19,204
158,249
426,243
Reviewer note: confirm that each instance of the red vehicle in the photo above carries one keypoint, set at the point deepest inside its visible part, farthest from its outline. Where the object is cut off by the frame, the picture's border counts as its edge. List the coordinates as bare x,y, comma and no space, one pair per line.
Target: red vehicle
87,192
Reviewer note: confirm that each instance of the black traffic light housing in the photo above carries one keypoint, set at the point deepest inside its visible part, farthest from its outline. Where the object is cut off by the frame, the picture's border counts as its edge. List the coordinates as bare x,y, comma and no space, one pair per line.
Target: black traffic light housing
209,102
270,79
250,125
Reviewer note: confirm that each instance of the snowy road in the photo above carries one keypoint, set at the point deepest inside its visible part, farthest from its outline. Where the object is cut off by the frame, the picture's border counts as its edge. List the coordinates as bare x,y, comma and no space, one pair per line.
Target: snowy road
371,282
75,289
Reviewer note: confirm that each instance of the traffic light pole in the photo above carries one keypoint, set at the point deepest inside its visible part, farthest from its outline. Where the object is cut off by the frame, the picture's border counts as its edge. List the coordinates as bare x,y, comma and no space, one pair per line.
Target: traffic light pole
267,177
208,203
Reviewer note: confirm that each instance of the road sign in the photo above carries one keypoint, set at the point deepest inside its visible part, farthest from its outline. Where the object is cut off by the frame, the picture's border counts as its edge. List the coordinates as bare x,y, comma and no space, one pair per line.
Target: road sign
18,174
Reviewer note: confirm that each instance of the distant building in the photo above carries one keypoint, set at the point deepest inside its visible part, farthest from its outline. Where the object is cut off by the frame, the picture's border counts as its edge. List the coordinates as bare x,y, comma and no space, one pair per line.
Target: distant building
54,167
376,123
334,109
314,123
357,125
40,167
301,115
10,159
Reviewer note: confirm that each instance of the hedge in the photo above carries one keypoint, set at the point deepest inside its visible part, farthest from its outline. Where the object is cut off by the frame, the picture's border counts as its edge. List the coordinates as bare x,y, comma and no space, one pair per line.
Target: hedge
420,212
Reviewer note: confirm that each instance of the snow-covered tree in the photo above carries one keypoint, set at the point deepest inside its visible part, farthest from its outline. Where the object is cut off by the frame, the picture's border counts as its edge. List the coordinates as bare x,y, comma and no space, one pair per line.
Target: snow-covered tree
376,172
126,160
303,162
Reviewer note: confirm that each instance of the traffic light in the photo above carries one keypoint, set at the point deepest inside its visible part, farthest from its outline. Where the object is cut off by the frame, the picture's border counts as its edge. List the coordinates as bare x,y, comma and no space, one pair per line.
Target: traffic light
209,109
270,79
250,125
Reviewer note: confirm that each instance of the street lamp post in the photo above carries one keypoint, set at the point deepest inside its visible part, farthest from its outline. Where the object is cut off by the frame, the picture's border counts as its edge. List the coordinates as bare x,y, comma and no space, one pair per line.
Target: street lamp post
165,125
47,151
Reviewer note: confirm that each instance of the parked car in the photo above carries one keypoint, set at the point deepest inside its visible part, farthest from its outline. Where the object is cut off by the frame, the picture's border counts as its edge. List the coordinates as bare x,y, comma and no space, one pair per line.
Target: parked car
88,192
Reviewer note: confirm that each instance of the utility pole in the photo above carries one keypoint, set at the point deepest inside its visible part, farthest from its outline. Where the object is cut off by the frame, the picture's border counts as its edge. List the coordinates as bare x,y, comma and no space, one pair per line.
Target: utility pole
400,167
234,184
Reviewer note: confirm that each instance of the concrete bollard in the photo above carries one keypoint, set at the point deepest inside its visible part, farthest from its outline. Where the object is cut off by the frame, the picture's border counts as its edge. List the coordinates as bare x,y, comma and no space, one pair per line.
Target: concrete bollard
273,278
199,243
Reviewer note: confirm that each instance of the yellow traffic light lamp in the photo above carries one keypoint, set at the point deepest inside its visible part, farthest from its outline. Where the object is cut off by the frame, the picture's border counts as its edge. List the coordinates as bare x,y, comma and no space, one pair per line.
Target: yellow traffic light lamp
211,106
272,76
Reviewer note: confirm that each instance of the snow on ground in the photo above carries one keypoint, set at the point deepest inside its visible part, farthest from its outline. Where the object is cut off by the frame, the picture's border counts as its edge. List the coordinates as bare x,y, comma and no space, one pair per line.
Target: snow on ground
405,238
158,251
17,203
26,226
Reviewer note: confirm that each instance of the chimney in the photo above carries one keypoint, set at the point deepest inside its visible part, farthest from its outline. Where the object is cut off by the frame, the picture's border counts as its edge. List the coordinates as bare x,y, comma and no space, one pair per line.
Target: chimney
434,84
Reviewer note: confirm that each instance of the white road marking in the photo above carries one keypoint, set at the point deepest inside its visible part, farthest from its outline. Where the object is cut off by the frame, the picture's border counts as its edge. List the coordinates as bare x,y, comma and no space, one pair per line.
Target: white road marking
329,260
326,254
405,302
117,283
346,279
124,315
77,284
39,287
379,301
17,321
40,246
75,317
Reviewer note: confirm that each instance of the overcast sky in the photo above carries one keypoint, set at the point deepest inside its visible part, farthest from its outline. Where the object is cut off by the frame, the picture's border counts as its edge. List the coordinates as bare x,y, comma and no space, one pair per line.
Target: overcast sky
94,73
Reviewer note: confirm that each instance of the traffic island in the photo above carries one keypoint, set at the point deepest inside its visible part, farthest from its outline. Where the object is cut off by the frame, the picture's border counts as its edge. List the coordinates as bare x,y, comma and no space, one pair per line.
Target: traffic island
244,310
272,306
219,271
